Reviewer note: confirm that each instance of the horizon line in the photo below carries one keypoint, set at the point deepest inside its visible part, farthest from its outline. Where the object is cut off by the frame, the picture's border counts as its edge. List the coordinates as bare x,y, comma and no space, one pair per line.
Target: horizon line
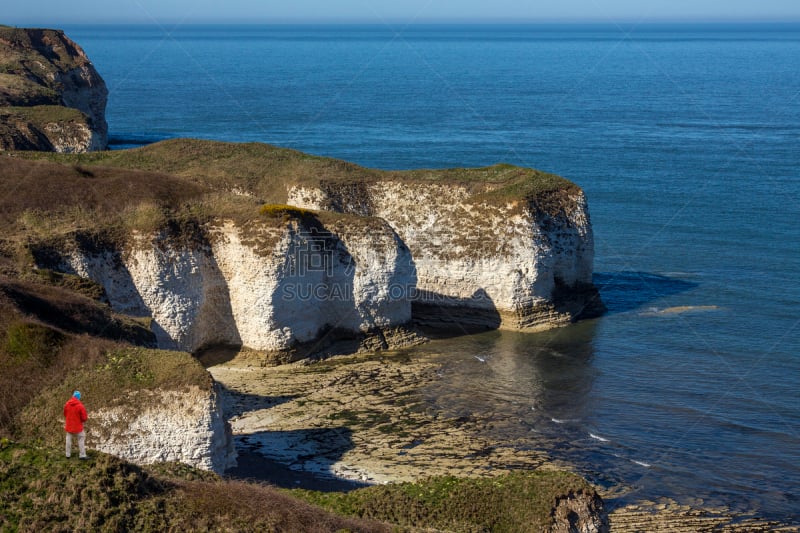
499,21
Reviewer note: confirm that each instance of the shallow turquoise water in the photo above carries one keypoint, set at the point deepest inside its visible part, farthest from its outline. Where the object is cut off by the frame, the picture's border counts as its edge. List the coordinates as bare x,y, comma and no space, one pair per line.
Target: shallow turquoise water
685,139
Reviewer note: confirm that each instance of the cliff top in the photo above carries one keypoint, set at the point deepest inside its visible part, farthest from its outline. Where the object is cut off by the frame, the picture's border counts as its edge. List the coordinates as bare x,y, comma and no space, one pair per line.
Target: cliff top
184,182
20,46
265,171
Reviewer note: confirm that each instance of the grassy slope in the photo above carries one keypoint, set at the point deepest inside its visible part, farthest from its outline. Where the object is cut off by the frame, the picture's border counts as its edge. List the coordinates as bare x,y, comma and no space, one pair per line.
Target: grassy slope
44,491
516,502
187,182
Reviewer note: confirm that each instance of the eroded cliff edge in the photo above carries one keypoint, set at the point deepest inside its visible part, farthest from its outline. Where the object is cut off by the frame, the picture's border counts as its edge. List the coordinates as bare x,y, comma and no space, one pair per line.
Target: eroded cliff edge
51,96
499,247
205,242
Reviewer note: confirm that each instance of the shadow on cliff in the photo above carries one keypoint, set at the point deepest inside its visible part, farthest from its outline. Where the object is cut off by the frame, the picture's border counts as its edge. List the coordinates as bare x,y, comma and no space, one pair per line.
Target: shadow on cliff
301,458
627,291
74,313
440,316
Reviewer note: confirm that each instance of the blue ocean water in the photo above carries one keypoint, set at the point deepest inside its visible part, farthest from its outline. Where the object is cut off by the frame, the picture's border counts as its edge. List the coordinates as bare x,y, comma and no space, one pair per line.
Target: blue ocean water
686,140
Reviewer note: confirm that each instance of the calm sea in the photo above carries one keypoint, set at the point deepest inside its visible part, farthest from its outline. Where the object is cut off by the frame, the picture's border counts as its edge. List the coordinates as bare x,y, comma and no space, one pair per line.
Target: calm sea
686,140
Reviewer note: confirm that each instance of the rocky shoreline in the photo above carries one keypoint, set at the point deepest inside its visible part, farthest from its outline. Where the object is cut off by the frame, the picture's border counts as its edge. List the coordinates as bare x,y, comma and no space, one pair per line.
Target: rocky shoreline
359,418
363,420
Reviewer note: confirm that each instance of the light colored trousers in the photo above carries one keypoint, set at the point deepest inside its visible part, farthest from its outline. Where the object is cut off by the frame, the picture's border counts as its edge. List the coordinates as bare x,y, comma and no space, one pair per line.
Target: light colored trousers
81,443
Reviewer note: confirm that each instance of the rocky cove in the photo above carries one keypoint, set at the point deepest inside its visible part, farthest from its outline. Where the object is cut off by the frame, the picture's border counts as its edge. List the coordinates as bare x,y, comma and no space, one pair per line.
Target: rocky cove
370,419
206,259
291,283
196,243
282,258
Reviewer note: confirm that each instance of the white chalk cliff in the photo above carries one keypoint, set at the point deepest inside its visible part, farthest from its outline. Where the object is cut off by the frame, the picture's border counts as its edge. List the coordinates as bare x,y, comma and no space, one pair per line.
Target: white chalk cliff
268,287
510,264
374,257
152,426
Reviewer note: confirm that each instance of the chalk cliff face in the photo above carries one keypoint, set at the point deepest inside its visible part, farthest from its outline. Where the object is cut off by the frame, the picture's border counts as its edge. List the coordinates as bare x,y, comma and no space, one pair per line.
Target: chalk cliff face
272,286
517,264
51,96
186,426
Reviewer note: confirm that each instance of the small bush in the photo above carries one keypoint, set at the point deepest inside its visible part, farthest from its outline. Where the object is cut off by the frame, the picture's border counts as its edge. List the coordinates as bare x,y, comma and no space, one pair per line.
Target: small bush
83,286
146,217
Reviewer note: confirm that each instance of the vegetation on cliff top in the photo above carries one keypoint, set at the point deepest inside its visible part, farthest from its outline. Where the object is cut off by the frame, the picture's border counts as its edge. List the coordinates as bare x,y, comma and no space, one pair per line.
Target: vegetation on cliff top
38,53
266,171
38,88
41,115
513,503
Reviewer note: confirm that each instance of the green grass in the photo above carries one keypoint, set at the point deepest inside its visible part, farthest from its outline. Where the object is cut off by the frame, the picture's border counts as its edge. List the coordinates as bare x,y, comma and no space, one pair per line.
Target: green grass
43,114
20,91
516,502
27,340
266,171
44,491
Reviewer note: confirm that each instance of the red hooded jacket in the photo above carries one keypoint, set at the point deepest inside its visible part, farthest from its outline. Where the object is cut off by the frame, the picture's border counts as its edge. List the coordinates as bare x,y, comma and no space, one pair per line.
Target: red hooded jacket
75,414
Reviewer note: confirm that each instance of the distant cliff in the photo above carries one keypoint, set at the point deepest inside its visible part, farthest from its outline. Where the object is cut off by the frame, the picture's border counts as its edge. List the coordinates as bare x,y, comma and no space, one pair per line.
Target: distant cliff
51,96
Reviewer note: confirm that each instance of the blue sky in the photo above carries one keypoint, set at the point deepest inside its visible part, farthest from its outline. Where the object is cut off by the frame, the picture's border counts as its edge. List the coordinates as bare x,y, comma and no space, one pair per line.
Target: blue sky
376,11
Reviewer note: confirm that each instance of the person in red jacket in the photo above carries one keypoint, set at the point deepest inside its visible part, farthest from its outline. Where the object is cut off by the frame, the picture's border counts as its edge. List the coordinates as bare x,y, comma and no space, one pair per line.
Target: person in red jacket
75,416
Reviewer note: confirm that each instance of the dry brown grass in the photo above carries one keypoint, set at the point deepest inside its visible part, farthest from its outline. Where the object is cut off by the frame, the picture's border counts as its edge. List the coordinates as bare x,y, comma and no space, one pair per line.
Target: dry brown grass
45,367
47,333
43,198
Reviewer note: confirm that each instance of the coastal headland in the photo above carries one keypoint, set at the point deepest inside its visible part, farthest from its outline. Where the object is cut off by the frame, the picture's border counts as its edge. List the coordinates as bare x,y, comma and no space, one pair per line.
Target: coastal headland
120,272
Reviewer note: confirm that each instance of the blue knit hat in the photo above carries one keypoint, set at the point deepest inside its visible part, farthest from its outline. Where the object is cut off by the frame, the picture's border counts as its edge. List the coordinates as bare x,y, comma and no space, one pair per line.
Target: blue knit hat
77,395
